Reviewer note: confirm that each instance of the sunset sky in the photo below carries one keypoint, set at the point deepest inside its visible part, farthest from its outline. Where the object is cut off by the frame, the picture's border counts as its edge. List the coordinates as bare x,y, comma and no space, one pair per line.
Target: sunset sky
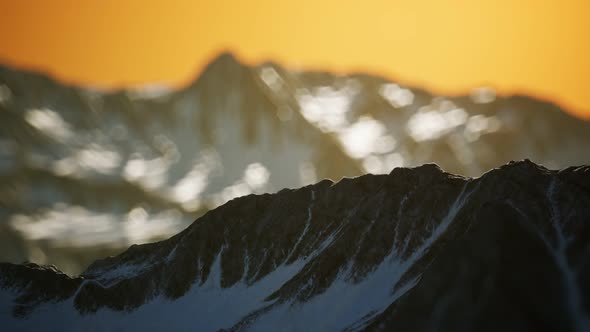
538,47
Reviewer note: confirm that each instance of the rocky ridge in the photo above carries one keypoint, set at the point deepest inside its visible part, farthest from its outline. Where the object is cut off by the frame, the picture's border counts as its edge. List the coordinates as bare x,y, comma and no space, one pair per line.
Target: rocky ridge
417,249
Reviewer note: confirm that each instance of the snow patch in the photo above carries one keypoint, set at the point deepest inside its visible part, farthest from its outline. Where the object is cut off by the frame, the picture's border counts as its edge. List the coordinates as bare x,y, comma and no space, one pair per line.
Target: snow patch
207,306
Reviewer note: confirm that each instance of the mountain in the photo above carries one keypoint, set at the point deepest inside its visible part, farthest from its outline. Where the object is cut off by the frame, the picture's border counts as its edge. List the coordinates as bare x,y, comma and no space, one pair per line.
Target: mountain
84,173
417,249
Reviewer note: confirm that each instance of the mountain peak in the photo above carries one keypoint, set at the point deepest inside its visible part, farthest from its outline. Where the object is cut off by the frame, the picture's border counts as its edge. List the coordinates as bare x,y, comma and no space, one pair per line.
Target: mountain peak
224,62
224,58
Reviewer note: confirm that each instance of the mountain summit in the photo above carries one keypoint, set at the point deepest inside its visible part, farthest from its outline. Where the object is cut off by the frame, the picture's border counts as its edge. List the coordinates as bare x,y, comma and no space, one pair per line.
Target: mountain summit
417,249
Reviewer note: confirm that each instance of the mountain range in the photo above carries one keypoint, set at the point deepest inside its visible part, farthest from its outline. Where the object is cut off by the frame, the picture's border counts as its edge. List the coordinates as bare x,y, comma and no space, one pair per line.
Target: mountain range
84,173
417,249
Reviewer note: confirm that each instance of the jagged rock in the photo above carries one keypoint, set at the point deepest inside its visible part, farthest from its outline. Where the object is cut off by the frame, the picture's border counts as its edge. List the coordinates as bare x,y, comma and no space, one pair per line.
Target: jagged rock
415,250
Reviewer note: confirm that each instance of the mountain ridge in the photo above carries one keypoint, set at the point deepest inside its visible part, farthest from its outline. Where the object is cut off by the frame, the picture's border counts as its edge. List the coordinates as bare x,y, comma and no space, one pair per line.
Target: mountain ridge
140,165
229,59
376,252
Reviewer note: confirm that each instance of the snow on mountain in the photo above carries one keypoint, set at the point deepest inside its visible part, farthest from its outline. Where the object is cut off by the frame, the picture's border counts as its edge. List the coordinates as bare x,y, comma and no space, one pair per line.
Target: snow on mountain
84,173
417,249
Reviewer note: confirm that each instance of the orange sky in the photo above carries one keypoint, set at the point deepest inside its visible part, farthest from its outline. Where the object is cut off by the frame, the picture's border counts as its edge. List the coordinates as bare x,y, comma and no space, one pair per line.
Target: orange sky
539,47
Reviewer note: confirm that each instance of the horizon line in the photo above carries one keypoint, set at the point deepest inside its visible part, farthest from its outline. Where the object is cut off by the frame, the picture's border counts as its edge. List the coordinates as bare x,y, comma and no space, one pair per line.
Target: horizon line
194,76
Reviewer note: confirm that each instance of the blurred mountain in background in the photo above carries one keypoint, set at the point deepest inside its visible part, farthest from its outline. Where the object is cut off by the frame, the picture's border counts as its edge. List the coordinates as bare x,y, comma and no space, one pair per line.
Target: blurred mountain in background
85,173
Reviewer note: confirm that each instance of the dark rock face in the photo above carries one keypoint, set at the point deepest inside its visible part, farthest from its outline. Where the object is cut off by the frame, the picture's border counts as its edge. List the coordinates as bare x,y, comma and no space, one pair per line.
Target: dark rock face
42,284
415,250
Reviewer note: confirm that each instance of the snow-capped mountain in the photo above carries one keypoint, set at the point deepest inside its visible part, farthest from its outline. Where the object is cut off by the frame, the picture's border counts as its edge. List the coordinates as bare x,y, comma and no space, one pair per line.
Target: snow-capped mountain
414,250
85,173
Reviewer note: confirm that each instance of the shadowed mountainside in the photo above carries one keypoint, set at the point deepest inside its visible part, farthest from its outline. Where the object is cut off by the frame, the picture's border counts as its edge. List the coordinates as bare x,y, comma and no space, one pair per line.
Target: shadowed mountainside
414,250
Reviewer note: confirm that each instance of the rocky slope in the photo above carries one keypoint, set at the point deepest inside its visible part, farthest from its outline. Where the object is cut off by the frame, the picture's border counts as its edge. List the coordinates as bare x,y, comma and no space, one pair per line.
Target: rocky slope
85,173
417,249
